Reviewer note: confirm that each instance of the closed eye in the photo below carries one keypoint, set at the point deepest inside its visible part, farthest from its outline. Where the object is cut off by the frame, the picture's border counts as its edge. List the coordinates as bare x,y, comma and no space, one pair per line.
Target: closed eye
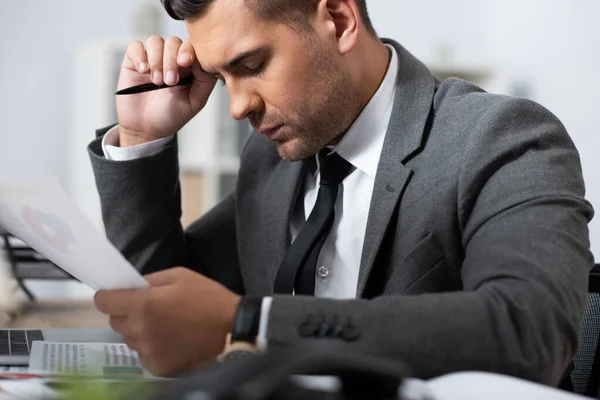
256,70
253,71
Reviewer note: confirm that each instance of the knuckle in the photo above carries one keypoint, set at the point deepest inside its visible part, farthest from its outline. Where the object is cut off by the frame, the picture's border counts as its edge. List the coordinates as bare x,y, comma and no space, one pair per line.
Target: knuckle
99,301
137,331
181,270
155,39
114,325
145,310
147,350
135,53
135,46
174,41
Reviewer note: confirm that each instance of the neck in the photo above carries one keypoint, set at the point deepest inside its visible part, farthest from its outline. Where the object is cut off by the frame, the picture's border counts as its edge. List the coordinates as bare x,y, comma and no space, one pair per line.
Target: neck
372,69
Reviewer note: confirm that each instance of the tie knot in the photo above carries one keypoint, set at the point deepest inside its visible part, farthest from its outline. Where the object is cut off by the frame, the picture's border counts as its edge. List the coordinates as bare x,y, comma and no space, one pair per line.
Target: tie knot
333,168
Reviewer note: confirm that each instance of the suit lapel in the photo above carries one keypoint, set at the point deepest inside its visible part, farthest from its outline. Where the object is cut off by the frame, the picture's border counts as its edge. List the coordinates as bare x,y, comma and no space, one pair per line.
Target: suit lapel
415,87
279,199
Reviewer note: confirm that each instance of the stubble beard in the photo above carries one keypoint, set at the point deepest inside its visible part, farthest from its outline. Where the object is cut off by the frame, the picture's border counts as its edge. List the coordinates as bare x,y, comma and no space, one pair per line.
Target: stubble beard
327,109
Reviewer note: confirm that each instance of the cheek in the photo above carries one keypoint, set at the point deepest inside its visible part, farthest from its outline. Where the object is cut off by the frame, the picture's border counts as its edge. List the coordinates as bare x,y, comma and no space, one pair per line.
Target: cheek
290,84
284,98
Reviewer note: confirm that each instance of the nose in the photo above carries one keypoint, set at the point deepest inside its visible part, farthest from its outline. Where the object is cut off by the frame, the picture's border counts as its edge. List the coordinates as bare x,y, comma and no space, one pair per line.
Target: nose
243,102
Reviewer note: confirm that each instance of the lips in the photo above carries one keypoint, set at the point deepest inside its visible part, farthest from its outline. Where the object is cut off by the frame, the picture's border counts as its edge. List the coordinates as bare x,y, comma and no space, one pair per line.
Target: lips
270,133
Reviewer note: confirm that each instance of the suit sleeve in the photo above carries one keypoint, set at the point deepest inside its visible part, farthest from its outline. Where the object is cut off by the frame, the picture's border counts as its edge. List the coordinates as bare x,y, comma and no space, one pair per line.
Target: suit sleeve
141,210
525,238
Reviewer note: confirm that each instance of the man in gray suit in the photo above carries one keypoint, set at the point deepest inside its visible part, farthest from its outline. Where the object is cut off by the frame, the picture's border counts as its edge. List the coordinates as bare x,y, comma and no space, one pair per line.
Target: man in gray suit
376,210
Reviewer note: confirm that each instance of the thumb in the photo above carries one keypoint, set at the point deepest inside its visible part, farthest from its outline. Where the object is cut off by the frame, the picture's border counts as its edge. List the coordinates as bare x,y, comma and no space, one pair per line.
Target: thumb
166,277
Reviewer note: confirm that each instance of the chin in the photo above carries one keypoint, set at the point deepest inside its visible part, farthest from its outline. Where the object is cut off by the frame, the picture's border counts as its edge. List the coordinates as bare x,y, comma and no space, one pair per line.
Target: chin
285,153
293,150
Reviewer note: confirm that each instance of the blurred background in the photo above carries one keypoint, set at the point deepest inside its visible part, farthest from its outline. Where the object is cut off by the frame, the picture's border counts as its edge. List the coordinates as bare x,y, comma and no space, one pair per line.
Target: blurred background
59,62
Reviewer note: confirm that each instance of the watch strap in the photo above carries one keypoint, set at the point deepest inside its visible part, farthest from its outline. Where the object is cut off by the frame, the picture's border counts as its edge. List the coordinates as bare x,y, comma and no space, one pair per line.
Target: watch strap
247,320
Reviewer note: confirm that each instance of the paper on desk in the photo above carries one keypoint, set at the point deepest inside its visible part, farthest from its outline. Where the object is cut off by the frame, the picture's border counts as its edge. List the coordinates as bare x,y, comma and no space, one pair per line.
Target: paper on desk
98,360
42,215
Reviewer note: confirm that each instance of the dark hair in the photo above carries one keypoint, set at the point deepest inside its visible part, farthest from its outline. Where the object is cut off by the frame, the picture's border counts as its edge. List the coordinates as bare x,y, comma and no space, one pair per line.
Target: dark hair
290,12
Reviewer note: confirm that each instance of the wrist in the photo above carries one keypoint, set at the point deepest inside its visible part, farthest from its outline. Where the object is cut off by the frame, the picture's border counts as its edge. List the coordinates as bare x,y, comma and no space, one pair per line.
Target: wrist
244,330
130,138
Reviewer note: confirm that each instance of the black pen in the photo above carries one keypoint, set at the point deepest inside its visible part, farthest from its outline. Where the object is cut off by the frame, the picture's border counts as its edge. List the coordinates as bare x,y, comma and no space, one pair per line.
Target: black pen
147,87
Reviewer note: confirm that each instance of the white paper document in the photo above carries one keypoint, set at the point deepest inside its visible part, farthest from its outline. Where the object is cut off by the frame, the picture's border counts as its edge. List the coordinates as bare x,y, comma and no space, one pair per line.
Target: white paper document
99,360
42,215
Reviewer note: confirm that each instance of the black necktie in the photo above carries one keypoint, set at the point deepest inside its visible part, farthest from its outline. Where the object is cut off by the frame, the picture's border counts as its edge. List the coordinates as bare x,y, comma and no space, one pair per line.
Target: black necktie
297,269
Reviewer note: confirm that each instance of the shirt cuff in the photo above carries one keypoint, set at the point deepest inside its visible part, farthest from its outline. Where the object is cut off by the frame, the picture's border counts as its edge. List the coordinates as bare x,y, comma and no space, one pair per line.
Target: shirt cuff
112,151
265,309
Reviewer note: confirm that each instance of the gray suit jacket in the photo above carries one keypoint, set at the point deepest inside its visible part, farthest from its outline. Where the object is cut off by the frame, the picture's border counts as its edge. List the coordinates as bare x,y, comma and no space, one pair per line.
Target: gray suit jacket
476,254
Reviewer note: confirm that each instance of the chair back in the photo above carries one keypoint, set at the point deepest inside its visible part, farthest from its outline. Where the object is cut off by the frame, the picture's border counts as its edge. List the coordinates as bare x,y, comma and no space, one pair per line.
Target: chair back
585,376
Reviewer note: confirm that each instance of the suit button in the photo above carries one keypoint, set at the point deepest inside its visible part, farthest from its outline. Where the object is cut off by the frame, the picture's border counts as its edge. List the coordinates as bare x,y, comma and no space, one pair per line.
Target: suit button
350,333
308,328
323,272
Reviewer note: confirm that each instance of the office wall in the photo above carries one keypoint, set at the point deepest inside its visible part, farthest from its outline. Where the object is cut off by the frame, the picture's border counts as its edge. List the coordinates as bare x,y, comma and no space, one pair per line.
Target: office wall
433,29
38,40
550,48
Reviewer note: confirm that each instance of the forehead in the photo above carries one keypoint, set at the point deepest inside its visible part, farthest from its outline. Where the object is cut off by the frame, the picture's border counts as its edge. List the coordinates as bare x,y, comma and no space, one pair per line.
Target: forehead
227,29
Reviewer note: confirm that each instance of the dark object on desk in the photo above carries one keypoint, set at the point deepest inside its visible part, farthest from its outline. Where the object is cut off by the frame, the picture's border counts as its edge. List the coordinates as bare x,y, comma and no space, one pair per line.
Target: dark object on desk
271,376
17,342
26,263
586,370
148,87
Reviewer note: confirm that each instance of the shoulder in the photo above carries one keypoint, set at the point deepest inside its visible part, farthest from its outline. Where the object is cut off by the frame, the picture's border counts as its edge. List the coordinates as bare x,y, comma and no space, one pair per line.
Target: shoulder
474,128
481,115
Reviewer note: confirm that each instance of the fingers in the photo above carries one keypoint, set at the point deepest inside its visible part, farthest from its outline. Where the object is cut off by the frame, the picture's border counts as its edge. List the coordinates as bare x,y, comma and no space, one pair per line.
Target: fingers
167,276
161,59
136,58
155,48
131,330
170,65
119,324
119,302
186,55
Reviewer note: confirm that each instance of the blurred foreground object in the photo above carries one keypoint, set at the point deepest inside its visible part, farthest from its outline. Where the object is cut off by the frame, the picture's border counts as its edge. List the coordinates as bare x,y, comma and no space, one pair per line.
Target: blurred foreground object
303,373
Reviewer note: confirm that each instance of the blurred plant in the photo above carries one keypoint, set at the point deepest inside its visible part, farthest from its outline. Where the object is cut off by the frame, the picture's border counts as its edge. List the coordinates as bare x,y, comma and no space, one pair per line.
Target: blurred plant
86,389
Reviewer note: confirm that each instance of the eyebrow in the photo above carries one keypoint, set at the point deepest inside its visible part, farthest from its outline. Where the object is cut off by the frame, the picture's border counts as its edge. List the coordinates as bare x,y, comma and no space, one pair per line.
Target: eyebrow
236,61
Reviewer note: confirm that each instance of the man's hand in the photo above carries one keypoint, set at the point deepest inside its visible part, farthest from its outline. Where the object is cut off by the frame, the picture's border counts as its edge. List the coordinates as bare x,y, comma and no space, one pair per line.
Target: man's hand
178,324
152,115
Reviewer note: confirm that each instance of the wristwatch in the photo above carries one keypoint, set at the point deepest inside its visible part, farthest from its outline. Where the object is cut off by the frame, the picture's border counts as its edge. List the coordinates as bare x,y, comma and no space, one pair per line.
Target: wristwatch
241,342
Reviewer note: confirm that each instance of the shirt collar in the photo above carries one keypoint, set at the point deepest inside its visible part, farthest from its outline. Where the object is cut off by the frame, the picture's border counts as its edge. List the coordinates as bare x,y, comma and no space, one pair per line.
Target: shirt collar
361,146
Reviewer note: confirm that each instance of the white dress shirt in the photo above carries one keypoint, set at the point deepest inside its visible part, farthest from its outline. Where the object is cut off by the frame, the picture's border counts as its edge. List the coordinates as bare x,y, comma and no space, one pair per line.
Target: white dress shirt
339,260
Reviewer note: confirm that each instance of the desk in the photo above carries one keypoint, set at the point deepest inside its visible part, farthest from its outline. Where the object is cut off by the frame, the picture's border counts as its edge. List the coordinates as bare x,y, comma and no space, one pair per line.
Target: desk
57,314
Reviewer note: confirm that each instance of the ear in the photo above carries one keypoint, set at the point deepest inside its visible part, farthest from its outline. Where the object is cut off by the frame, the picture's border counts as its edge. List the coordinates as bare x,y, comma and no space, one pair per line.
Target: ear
342,21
